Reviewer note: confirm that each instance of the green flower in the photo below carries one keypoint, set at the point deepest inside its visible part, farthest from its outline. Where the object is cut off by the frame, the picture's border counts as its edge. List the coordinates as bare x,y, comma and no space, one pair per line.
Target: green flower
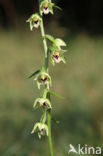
42,102
34,21
46,7
43,78
41,128
57,55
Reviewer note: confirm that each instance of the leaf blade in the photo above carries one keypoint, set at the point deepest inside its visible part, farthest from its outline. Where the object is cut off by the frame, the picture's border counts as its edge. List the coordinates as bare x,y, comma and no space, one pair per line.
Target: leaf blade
57,95
57,7
35,73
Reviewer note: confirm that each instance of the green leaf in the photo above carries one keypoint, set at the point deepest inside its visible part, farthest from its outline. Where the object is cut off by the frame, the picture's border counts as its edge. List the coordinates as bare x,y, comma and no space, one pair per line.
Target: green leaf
35,73
57,95
50,38
58,7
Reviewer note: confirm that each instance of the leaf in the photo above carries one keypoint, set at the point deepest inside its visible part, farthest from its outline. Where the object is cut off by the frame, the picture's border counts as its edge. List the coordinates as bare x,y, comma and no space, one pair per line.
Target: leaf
58,7
57,95
35,73
50,38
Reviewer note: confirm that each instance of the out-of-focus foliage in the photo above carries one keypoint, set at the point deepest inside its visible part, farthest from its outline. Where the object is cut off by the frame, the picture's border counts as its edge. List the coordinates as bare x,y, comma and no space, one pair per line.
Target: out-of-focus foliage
80,82
82,15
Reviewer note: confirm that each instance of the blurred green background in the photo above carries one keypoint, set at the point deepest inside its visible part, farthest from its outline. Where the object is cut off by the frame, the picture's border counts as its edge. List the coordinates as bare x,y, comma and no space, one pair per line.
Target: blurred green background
80,81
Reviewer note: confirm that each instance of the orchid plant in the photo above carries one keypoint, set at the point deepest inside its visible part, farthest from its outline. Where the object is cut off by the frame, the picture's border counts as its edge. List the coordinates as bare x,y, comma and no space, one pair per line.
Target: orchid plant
55,54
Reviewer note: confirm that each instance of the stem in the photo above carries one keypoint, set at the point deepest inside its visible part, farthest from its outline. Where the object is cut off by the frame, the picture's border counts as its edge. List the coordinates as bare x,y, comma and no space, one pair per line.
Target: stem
44,43
49,131
46,66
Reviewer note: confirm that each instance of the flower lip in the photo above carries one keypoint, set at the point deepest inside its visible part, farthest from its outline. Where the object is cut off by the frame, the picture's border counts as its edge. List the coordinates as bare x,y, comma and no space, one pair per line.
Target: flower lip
56,57
44,79
44,104
42,131
36,24
45,9
36,21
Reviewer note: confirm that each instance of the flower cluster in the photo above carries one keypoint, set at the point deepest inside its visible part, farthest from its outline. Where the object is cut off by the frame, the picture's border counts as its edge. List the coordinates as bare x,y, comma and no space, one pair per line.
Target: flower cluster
42,77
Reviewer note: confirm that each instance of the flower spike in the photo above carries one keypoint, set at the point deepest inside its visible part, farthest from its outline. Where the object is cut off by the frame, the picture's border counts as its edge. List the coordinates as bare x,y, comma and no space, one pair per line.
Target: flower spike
42,77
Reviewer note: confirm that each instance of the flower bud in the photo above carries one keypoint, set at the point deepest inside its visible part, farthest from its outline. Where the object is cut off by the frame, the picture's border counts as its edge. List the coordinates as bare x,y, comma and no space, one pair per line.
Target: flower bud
59,43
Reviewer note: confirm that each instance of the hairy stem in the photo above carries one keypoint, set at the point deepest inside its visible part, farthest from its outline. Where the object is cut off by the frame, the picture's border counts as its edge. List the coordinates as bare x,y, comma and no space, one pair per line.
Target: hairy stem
46,66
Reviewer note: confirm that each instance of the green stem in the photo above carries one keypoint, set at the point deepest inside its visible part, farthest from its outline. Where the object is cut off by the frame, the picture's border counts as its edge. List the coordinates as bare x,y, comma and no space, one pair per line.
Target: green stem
46,66
45,44
49,136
